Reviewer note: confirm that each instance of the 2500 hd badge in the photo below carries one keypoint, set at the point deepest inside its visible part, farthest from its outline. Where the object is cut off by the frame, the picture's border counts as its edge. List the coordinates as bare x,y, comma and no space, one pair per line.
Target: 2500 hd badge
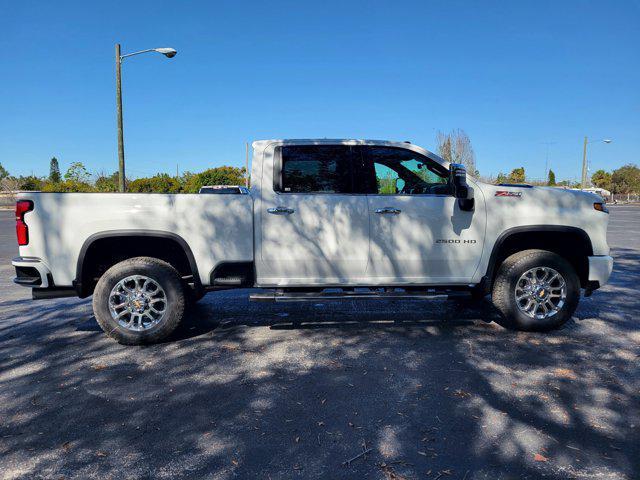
454,240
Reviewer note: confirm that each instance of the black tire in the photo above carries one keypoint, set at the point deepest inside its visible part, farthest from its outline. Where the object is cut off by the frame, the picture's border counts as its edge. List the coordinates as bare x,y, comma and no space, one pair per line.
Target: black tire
164,275
192,296
510,271
478,294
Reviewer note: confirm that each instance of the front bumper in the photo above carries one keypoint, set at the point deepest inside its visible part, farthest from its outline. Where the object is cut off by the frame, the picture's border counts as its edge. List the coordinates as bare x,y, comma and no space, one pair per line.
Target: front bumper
600,268
32,272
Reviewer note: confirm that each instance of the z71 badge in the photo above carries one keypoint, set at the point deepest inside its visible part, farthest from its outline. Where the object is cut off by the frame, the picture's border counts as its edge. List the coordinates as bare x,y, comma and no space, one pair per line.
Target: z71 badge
507,193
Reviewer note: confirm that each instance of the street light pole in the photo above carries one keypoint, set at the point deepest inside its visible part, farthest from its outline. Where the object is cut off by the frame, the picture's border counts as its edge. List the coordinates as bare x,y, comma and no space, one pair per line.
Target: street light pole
121,177
584,164
167,52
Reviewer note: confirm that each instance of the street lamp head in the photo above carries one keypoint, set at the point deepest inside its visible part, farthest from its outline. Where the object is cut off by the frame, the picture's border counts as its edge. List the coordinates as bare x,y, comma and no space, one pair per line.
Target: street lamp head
167,52
607,140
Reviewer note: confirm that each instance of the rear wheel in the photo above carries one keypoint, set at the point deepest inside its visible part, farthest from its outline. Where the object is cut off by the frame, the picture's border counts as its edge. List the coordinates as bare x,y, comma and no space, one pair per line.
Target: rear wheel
140,300
535,290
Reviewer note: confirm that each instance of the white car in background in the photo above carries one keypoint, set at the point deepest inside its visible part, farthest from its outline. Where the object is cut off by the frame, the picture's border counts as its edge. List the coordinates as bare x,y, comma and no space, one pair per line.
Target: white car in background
225,189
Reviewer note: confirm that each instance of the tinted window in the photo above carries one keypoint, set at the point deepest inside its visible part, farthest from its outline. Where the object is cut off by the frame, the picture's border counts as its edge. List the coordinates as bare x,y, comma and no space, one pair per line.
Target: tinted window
402,172
316,169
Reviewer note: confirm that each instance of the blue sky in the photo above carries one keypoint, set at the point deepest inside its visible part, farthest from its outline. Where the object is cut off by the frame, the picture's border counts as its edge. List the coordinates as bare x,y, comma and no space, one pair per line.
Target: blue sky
514,75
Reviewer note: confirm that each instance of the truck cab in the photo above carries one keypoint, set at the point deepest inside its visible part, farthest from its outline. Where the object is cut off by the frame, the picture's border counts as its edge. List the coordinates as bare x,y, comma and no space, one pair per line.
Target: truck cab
360,213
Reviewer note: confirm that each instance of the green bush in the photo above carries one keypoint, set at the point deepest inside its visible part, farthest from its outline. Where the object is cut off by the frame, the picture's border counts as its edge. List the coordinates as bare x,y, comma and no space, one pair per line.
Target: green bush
106,183
68,186
30,183
78,179
224,175
160,183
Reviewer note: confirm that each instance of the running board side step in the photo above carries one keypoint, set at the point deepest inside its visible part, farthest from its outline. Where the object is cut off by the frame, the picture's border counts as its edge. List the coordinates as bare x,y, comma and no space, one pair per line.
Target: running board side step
356,294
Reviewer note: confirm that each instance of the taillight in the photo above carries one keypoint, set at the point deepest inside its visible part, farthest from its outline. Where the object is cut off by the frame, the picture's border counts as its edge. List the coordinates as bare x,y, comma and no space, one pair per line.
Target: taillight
22,231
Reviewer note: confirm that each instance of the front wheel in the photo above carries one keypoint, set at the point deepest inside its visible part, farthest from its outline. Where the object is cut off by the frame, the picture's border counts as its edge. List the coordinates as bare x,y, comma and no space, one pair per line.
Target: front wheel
535,290
140,300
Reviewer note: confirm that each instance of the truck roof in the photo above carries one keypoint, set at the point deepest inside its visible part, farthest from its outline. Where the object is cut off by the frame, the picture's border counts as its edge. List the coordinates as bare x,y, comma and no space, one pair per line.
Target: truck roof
261,144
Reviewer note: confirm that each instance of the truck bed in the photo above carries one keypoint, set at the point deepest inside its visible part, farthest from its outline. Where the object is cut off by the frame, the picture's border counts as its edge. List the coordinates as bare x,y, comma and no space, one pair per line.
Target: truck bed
215,227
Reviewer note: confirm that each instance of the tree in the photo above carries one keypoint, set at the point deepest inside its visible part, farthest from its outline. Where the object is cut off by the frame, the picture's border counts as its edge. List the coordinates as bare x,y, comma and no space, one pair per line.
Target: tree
626,179
551,178
502,178
224,175
517,175
77,172
3,172
568,183
68,186
107,183
30,183
455,147
9,184
601,179
54,171
159,183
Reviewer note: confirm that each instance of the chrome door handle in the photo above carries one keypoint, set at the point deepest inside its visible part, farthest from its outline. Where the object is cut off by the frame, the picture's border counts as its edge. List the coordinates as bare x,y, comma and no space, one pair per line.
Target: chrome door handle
392,211
281,210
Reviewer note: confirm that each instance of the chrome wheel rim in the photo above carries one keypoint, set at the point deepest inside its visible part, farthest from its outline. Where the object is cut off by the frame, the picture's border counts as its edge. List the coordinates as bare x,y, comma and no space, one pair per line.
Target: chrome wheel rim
137,303
540,292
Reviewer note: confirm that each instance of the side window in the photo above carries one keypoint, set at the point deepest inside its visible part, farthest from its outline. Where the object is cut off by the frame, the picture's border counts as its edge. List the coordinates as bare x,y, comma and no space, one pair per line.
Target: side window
403,172
315,169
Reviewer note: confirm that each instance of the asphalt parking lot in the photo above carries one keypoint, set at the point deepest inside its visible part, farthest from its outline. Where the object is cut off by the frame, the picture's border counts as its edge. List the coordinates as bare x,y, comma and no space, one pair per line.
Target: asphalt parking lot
246,390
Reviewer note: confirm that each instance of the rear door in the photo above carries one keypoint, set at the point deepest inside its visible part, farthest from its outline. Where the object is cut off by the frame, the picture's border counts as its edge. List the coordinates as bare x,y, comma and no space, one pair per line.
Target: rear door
418,233
314,227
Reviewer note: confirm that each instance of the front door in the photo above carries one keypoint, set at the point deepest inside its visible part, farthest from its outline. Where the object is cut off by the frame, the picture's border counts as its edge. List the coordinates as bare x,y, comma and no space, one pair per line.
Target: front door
313,229
419,234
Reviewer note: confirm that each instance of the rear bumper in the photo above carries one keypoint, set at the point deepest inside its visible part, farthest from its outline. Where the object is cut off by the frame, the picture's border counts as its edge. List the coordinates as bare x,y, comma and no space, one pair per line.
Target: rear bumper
600,268
31,272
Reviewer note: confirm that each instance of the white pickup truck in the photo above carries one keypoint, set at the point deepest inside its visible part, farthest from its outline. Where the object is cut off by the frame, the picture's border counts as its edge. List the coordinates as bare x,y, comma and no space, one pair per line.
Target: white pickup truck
325,219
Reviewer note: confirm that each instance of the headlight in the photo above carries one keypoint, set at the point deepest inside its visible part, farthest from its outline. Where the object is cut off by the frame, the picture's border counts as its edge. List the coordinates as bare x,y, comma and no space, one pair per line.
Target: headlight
601,207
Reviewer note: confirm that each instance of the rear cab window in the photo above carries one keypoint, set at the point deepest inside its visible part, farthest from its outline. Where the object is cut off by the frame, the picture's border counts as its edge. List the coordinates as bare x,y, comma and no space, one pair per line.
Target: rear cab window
315,169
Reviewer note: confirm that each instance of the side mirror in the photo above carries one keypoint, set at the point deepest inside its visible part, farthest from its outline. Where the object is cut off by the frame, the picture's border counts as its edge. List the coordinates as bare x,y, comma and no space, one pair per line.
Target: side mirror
461,190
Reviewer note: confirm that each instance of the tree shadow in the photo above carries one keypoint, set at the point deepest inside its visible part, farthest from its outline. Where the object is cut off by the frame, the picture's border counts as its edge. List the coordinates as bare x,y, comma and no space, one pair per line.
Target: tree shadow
252,390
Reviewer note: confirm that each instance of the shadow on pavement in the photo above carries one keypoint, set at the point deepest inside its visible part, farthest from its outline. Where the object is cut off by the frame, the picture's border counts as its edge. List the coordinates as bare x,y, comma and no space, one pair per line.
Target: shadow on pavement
277,391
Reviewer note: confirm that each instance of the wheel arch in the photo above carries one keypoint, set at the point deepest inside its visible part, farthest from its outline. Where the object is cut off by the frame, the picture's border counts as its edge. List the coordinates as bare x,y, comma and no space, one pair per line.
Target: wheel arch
179,254
554,238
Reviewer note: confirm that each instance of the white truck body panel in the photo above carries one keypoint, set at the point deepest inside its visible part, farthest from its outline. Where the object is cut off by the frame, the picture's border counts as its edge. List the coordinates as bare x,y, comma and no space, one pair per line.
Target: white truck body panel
215,227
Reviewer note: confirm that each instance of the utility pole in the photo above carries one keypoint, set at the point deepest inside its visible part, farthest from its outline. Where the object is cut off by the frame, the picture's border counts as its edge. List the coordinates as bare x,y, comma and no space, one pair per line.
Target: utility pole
246,165
546,162
121,178
584,164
